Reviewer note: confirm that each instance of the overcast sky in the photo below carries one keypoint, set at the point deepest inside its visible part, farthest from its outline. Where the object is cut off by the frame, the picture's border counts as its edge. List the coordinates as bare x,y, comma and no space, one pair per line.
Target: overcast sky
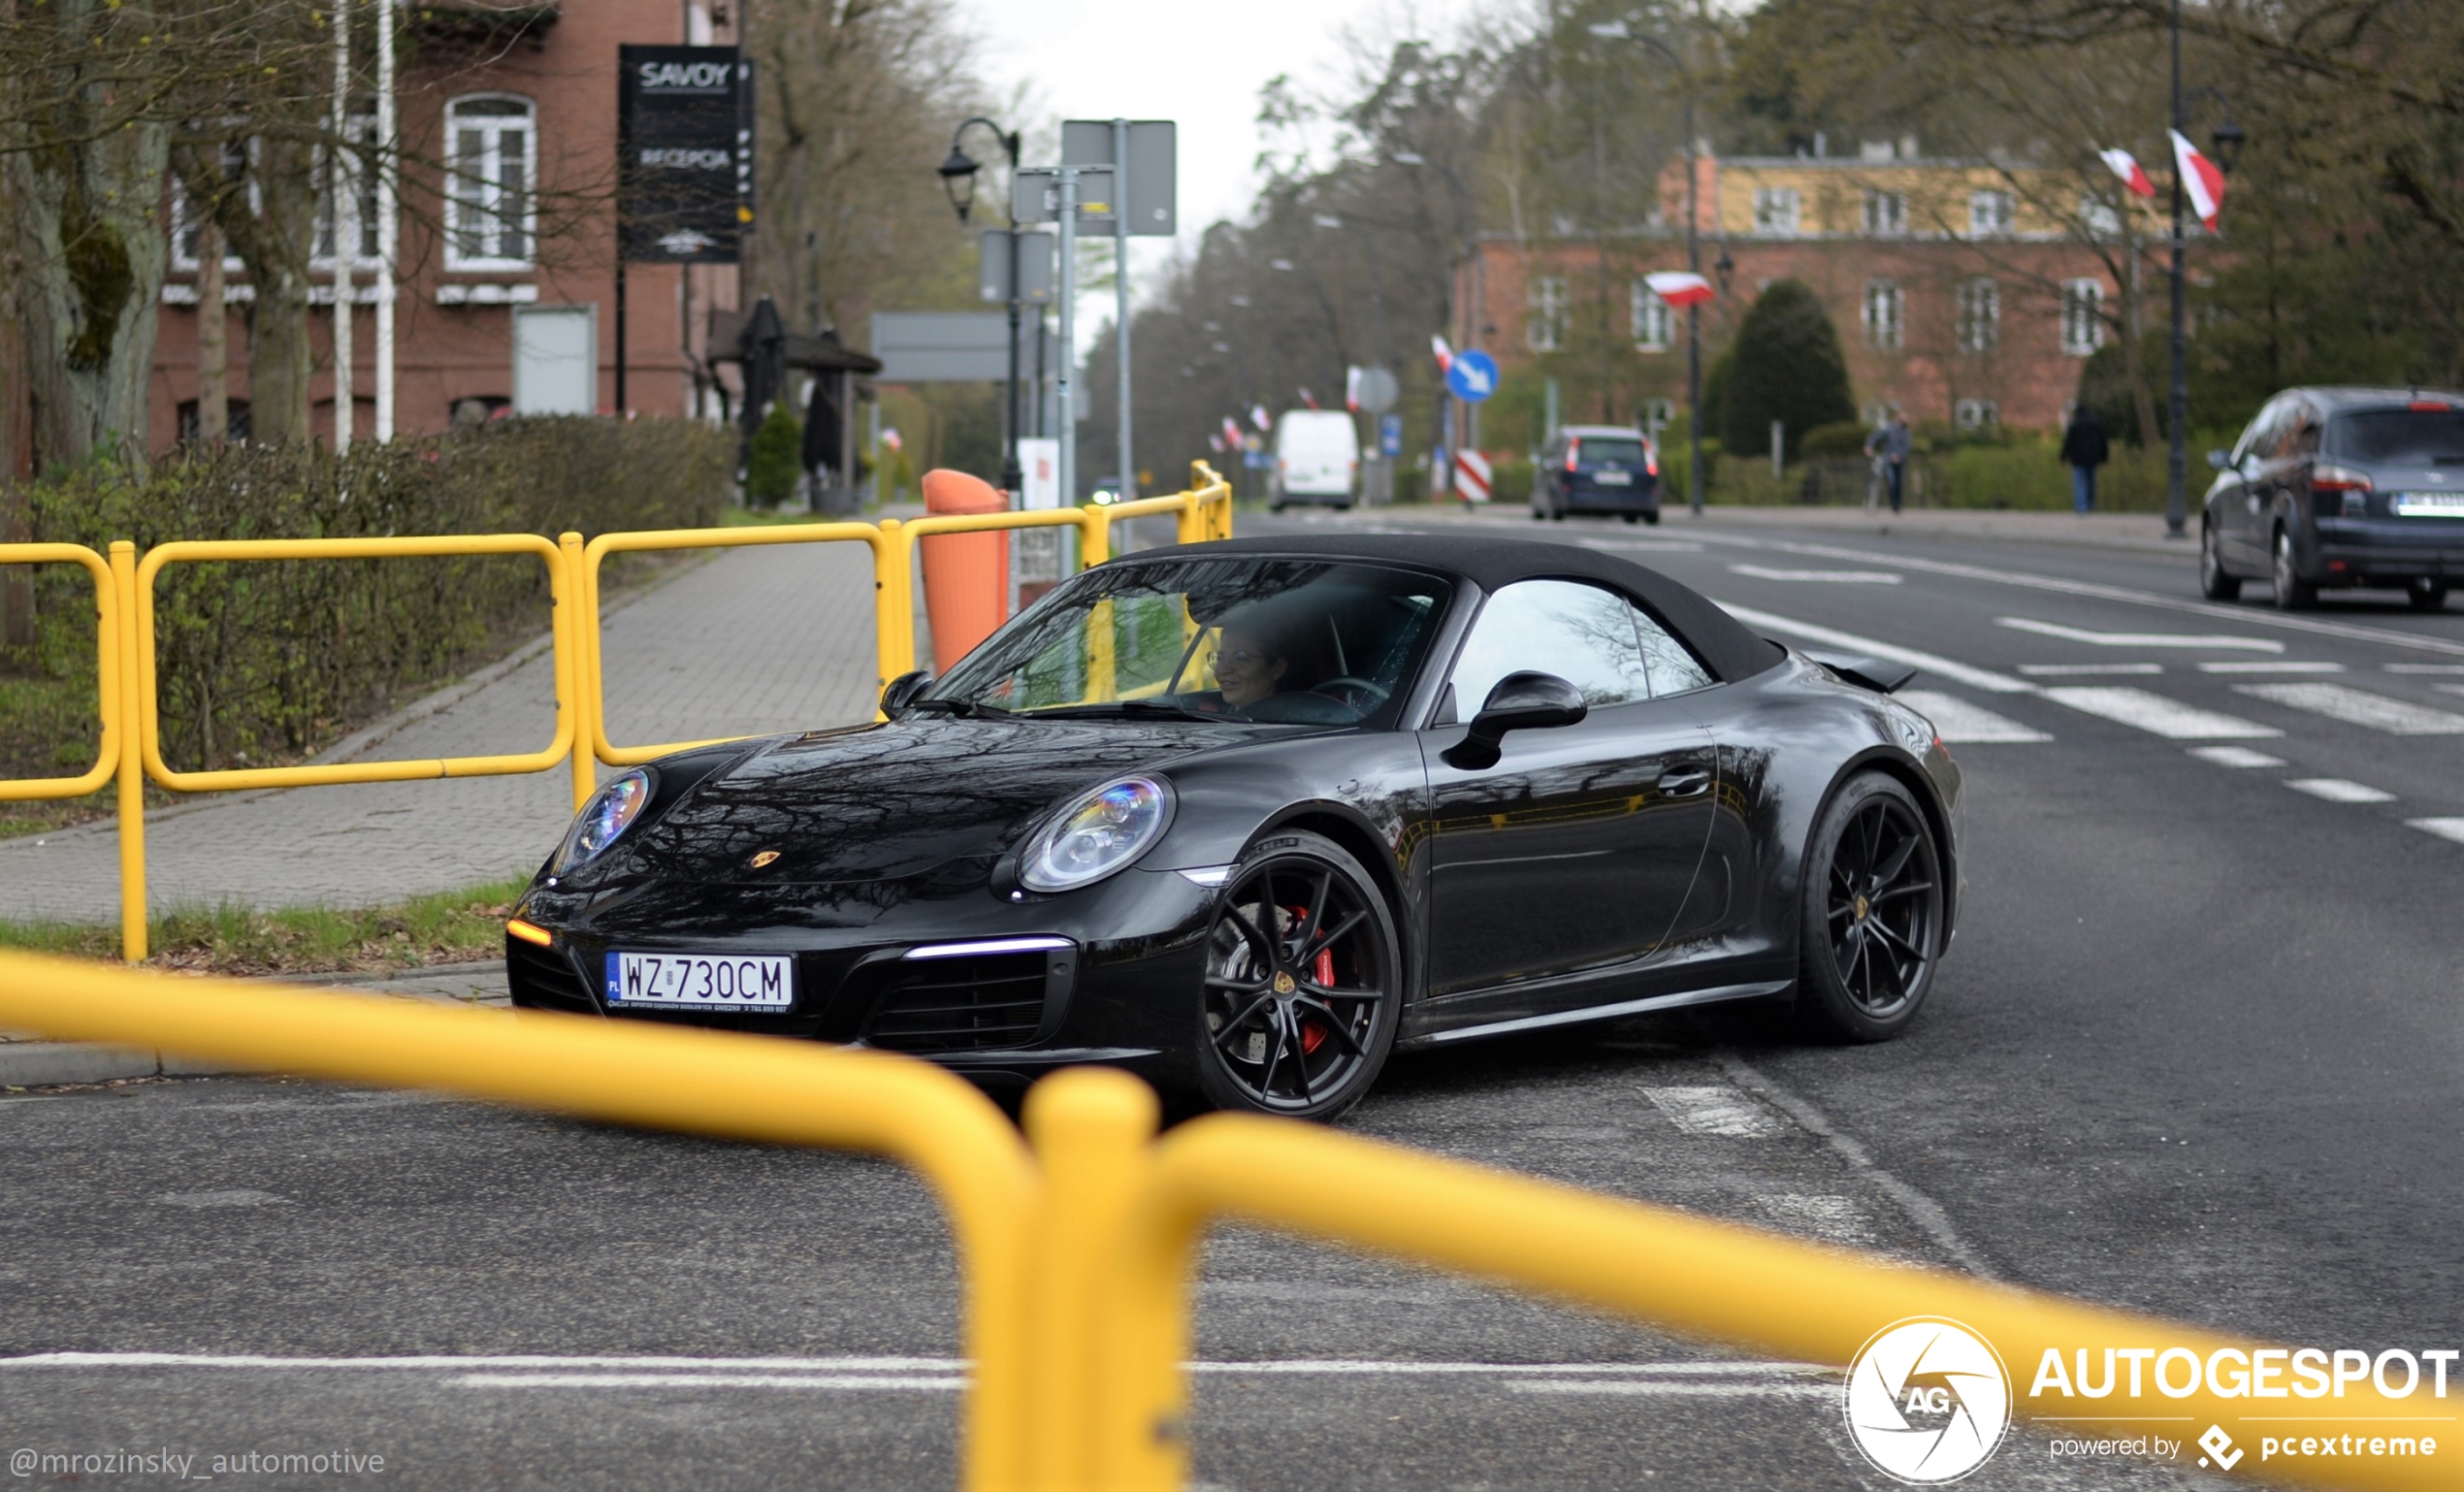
1200,65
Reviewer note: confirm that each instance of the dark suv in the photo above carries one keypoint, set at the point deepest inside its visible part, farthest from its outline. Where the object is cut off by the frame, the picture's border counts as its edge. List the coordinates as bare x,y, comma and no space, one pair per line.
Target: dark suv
1598,468
2340,487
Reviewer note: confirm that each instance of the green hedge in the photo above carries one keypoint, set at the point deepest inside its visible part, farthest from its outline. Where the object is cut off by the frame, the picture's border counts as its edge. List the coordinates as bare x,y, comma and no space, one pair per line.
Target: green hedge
264,661
2022,475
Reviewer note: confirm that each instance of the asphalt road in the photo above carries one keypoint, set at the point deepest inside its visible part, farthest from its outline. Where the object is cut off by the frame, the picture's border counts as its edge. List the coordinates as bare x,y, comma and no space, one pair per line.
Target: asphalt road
2195,1051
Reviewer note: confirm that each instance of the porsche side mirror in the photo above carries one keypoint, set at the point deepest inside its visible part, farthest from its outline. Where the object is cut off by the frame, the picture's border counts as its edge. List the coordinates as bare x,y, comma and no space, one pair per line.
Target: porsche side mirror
901,692
2221,460
1520,702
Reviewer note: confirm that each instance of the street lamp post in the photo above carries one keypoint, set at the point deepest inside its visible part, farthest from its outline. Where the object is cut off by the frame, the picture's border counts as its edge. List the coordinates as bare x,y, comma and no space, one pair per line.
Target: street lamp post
2228,140
957,179
1616,31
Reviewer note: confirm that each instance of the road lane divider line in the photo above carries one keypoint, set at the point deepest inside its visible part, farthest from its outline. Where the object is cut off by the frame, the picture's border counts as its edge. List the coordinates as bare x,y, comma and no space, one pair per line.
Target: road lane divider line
2239,757
2445,829
2207,643
917,1368
2257,666
2358,707
2423,669
1962,724
1645,1389
1818,576
1950,669
2213,612
2158,715
2088,671
2337,790
1928,1215
831,1381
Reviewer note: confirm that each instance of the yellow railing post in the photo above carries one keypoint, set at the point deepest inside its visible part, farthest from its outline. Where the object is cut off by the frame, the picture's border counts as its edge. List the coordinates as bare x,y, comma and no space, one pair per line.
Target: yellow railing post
136,685
576,648
893,602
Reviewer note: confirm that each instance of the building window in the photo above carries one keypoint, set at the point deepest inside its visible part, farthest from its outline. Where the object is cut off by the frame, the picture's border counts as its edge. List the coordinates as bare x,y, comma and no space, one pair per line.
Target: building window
2098,218
494,163
1777,210
1654,322
2083,322
1970,414
1990,214
1883,314
355,170
1545,316
186,217
1657,415
1886,214
1980,315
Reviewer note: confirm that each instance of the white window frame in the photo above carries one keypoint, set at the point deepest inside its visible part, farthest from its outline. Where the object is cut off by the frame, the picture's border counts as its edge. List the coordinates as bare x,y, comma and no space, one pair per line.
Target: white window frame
184,226
1992,212
1779,211
2083,322
362,129
1886,213
2099,217
1884,311
1657,415
1980,314
1655,320
474,202
1544,312
1970,414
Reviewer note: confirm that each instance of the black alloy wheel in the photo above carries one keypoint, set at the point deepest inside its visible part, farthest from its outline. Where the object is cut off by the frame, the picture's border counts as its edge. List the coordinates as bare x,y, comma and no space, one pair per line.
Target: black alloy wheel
2293,593
2216,583
1304,982
1873,909
2425,594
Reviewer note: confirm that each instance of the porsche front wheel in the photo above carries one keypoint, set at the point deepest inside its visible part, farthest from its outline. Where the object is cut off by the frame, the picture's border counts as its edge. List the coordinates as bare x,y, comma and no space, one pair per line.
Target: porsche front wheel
1873,913
1304,982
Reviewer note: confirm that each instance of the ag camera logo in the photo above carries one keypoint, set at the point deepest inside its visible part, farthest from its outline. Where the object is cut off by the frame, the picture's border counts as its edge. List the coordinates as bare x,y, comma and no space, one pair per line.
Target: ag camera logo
1928,1401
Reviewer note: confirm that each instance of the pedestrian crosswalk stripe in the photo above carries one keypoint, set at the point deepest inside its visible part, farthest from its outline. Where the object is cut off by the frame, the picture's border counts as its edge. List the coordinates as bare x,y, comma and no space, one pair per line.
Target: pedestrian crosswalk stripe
2158,715
1717,1111
2235,757
2271,665
2336,790
2445,829
2360,707
1960,722
1830,576
2087,671
2204,642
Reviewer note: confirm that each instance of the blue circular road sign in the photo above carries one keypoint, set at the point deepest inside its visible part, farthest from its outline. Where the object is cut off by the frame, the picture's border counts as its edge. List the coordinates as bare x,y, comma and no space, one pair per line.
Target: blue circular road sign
1471,375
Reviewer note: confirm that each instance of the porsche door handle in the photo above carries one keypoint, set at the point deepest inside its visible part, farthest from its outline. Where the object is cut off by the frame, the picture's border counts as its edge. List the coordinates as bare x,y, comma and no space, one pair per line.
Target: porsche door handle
1685,781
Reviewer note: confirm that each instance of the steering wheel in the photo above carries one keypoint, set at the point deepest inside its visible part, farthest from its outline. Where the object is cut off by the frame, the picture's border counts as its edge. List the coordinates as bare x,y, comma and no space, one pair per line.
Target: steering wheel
1336,688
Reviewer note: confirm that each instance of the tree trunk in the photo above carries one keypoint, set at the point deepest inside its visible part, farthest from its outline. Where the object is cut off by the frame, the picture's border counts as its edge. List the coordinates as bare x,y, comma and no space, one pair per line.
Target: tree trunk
213,341
16,440
274,242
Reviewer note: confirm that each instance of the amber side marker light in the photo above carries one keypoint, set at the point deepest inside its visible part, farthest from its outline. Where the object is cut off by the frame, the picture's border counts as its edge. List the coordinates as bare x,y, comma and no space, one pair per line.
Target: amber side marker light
530,933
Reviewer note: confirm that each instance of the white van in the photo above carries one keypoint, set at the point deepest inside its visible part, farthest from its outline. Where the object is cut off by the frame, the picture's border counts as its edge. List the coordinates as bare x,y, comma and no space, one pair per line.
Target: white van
1316,458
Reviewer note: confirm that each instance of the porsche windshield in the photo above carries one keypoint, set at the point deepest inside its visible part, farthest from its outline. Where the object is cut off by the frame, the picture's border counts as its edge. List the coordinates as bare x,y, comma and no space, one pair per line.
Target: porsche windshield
1279,641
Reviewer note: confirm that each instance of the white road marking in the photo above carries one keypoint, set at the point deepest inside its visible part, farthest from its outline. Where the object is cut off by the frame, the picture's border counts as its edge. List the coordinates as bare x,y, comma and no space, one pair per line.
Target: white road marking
2448,689
1960,722
2073,670
2259,666
432,1362
2424,667
2159,715
1718,1110
917,1370
831,1381
1819,577
2235,757
2205,642
1835,1219
2336,790
1934,663
2445,829
1631,1386
1639,545
2360,707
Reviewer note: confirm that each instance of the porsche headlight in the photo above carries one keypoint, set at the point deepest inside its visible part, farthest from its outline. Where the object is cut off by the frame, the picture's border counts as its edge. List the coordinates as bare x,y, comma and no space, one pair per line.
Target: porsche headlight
610,811
1108,828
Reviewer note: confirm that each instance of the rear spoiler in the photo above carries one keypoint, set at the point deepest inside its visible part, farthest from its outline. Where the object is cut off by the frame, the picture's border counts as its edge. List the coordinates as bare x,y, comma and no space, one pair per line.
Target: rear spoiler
1879,675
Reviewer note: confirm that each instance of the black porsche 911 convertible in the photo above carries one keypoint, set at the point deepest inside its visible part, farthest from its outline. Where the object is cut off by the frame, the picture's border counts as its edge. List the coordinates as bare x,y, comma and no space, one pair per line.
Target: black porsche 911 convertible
1246,817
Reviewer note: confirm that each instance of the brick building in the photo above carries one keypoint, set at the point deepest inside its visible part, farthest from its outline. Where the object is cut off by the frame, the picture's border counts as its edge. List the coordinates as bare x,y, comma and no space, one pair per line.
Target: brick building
521,99
1957,297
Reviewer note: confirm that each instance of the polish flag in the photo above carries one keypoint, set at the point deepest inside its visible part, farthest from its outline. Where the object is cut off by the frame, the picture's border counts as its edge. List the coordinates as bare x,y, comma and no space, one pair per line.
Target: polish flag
2126,166
2200,178
1259,417
1444,352
1232,432
1680,289
1214,444
1308,399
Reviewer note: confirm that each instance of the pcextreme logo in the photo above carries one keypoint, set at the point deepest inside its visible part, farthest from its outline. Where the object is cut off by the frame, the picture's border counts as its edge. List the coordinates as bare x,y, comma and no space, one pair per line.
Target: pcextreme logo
1928,1401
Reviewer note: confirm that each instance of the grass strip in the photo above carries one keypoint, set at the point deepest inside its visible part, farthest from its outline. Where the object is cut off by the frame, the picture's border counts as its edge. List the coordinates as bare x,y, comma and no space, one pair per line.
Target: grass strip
444,927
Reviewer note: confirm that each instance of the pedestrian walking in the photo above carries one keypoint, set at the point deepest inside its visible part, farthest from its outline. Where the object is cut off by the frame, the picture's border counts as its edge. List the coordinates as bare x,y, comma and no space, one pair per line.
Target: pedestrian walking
2085,448
1888,446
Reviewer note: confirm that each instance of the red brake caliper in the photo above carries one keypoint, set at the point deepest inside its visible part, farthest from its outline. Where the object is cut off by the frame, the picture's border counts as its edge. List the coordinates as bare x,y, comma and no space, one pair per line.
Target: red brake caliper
1322,970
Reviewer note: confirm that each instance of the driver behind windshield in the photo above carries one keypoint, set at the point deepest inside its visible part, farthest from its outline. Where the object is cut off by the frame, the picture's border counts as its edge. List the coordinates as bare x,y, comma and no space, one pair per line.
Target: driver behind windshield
1261,650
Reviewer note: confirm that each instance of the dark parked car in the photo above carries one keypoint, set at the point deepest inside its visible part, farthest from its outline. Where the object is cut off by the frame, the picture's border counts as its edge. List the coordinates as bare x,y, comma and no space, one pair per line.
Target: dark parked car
2340,487
1598,468
1246,817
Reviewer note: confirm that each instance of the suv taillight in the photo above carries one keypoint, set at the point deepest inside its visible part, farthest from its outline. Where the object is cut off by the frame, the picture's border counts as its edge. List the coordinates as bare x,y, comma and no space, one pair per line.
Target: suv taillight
2344,487
1574,454
1650,459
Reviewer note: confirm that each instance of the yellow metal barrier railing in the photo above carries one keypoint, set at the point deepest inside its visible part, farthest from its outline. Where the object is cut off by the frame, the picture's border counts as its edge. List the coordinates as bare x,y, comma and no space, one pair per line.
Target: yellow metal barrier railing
128,689
1075,1258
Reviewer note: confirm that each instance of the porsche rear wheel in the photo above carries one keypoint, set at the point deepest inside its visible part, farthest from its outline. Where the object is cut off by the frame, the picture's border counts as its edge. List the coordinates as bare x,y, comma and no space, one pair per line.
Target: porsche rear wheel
1304,982
1873,912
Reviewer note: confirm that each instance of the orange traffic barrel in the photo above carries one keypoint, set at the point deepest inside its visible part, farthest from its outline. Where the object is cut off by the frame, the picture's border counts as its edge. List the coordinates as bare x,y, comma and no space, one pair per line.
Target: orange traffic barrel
966,576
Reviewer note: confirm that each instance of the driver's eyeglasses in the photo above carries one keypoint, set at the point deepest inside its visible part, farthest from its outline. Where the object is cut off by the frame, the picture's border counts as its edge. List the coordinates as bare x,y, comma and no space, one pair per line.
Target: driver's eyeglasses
1238,658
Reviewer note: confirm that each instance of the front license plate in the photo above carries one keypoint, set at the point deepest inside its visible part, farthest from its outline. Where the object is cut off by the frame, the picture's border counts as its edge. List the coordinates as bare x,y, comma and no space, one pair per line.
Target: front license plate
702,981
2429,505
1613,478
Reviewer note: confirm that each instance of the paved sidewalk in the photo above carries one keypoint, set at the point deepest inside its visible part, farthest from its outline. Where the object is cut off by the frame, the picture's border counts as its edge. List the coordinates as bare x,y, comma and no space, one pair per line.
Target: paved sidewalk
747,642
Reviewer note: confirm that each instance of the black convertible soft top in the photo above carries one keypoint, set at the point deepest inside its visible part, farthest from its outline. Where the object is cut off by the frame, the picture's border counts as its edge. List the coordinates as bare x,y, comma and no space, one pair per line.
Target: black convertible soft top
1490,562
